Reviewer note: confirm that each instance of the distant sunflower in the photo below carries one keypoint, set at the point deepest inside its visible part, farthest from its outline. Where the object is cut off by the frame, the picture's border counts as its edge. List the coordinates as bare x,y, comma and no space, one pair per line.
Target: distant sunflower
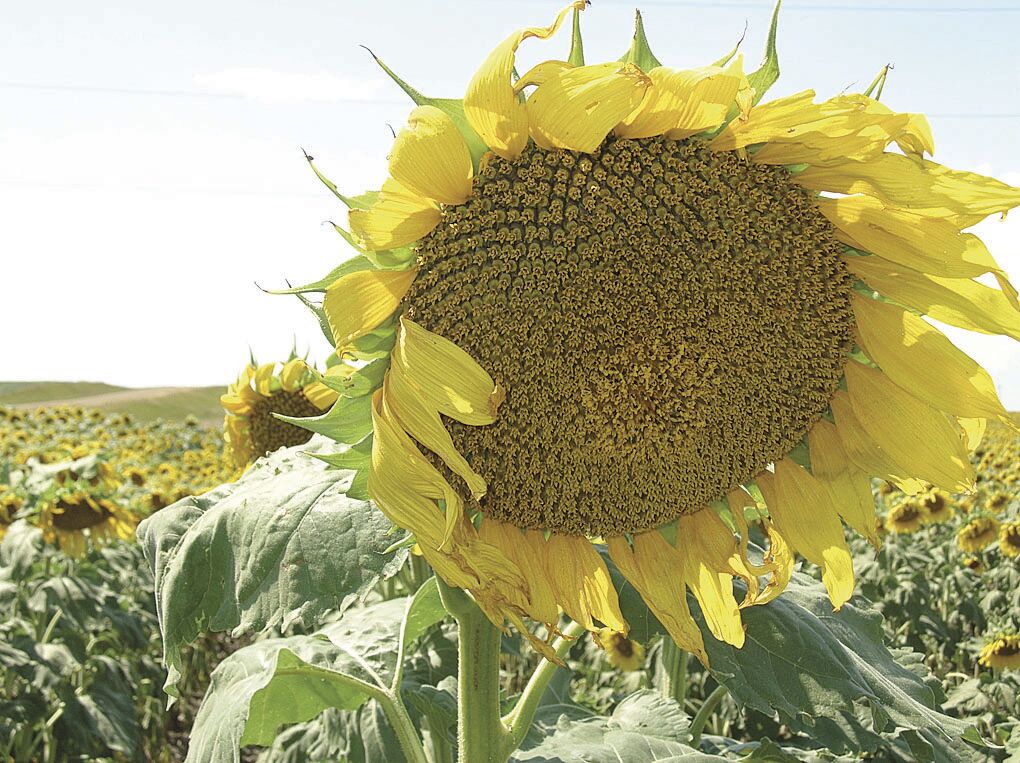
611,306
1003,652
621,652
250,429
974,564
937,506
906,517
10,505
977,534
1009,539
73,520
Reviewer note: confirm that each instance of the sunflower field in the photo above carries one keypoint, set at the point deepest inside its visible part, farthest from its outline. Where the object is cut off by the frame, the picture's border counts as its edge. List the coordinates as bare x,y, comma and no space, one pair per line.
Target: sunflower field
634,443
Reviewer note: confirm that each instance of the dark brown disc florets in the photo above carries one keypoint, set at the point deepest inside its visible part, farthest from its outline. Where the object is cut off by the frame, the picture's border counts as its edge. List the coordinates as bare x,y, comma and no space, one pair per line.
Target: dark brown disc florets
666,322
268,433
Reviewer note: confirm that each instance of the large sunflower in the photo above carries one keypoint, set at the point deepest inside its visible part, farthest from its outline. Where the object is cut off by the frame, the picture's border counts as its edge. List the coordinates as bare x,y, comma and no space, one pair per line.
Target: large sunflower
609,310
251,428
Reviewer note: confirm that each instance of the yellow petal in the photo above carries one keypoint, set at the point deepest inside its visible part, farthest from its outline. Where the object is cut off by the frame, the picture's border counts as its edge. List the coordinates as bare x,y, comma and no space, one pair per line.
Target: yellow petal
575,108
581,582
448,376
655,570
706,546
419,417
930,245
526,550
974,431
921,360
319,395
795,130
804,512
917,438
359,302
405,485
290,375
399,216
956,301
780,559
850,486
923,187
431,159
491,105
681,103
264,378
236,404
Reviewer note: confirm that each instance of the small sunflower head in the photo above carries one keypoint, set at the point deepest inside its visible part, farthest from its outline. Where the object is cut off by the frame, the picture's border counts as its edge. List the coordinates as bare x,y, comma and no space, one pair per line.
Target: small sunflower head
1009,539
905,517
937,505
1003,652
977,534
974,564
997,501
622,652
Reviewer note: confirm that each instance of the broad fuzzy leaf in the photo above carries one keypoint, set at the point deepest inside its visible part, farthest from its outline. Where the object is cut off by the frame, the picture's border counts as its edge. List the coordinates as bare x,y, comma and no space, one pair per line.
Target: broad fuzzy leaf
282,544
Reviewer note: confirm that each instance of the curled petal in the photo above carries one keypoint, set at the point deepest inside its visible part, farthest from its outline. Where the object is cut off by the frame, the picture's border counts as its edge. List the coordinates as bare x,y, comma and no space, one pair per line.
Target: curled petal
399,216
357,303
431,159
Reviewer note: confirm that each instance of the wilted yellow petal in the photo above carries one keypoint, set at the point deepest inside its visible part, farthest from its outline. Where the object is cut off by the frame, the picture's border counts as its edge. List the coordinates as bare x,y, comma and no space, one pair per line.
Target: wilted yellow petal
575,108
781,560
430,157
291,373
956,301
930,245
680,103
264,378
527,550
398,217
405,485
974,431
581,582
359,302
921,360
919,439
850,486
923,187
706,545
491,105
655,569
804,512
449,377
419,417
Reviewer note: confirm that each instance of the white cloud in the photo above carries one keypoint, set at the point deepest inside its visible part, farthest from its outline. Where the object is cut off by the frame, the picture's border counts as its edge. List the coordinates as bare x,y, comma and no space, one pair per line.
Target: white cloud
271,86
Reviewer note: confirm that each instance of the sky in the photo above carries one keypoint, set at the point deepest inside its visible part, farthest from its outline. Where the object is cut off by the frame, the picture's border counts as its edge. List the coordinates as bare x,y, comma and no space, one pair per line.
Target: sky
151,175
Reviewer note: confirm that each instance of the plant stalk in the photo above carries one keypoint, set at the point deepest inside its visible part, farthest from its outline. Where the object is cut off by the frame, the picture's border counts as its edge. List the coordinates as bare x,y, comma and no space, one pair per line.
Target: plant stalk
707,708
481,734
673,671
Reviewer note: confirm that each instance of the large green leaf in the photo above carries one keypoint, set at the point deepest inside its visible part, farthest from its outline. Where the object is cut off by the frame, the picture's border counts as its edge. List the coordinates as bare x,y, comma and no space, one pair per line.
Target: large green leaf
282,544
278,682
644,727
826,674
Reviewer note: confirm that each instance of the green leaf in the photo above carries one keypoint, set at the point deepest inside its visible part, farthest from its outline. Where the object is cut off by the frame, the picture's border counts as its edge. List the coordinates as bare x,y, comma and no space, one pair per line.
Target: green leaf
640,54
353,265
282,544
767,74
278,682
452,107
348,421
644,727
20,547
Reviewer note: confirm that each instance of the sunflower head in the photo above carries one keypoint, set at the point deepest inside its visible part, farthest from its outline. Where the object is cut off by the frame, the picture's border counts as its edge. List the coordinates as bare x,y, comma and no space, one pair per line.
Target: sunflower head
74,520
251,427
622,653
937,506
977,534
906,517
974,564
1002,652
1009,539
606,305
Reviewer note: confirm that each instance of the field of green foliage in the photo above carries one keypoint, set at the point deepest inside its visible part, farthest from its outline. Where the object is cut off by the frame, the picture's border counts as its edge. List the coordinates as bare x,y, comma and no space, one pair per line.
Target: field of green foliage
82,656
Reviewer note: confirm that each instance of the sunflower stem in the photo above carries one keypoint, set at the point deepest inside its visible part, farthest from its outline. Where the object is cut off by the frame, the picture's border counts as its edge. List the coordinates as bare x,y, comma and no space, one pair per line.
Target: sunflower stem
520,718
673,671
481,735
707,708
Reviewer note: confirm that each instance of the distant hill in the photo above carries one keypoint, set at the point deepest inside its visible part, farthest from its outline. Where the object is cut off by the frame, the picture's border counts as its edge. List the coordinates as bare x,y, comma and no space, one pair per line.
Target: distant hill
145,404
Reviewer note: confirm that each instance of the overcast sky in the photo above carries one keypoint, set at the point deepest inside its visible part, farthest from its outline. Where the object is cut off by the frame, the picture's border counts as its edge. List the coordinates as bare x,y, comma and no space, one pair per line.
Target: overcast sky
151,172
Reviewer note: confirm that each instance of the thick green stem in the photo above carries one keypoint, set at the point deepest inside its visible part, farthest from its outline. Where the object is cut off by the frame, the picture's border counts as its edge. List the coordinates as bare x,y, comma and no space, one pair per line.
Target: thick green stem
673,671
706,709
407,734
481,734
519,719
